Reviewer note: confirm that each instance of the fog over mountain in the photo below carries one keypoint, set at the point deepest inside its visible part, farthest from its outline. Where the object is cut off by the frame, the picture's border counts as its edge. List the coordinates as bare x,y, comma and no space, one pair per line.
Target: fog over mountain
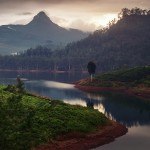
125,43
40,31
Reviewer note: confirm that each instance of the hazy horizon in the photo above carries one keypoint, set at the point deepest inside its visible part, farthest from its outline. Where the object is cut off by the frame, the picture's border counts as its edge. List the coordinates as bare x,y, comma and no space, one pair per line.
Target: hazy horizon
80,14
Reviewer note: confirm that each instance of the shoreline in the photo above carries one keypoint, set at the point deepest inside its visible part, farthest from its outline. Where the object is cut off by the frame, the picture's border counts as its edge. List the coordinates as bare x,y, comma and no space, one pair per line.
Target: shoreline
132,92
81,141
39,71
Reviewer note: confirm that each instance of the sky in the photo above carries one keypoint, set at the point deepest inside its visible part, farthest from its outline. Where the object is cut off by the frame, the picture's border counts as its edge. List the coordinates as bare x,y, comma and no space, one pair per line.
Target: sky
86,15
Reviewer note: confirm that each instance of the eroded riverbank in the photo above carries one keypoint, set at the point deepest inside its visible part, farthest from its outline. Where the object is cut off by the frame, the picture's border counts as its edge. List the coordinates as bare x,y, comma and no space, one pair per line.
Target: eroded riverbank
80,141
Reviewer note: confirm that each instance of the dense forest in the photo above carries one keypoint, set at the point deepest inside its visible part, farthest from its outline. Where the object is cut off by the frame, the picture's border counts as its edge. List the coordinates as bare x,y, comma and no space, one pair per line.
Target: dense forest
124,43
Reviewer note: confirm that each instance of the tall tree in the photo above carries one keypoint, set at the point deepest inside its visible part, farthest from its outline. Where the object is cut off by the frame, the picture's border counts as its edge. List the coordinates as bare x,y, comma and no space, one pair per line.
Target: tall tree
91,69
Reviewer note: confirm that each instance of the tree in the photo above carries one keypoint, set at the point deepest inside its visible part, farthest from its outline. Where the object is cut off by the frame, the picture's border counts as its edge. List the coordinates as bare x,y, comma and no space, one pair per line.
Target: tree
91,69
124,12
20,85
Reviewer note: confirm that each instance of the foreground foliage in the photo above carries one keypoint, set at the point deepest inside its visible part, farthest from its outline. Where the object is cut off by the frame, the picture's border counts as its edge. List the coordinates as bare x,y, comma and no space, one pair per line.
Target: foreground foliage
27,121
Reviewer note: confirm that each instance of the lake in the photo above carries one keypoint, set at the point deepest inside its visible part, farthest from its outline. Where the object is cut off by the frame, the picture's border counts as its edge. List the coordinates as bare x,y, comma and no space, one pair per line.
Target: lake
134,113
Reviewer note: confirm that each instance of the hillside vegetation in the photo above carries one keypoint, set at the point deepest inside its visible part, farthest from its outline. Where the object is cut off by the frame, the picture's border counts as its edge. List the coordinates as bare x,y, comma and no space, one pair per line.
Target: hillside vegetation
134,77
124,43
27,120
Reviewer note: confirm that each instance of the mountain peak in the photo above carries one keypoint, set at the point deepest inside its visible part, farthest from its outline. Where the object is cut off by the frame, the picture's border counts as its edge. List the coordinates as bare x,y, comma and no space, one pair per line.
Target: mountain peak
41,18
42,14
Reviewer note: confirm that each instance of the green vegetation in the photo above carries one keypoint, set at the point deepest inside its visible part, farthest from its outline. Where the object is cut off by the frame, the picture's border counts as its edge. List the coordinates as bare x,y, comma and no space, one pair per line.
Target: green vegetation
27,121
18,88
124,42
139,76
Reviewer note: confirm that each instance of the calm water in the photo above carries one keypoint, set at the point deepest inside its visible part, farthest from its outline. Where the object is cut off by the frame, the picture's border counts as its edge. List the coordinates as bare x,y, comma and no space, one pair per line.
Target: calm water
130,111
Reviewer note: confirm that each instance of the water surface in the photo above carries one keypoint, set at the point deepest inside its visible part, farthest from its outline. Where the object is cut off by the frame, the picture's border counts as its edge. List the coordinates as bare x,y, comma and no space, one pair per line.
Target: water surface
134,113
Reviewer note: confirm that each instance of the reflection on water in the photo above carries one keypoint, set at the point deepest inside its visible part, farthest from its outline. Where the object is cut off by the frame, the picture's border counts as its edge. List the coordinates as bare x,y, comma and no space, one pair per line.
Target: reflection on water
130,111
59,77
137,138
56,85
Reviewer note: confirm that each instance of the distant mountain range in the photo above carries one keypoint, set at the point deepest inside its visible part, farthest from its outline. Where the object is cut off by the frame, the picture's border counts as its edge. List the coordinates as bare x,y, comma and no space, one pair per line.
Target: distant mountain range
125,43
40,31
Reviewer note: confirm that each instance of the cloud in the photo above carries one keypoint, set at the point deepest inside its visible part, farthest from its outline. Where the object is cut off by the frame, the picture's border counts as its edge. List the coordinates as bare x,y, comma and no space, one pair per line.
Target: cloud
109,2
25,13
85,26
76,24
69,1
60,21
46,1
21,21
82,5
68,13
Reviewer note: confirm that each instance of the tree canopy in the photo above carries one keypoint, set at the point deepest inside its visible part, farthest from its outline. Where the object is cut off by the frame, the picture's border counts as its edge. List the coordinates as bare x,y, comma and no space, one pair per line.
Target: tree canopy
124,43
91,67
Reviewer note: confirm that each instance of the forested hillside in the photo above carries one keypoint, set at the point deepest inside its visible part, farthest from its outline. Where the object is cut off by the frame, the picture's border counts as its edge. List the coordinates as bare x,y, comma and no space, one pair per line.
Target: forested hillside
124,43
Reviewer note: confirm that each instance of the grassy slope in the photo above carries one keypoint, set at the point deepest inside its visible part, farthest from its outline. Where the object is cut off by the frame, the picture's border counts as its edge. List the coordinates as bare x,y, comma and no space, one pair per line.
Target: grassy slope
122,78
134,81
27,121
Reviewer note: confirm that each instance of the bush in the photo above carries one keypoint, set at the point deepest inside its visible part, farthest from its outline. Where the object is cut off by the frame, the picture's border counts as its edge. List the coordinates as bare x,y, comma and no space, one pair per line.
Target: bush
18,88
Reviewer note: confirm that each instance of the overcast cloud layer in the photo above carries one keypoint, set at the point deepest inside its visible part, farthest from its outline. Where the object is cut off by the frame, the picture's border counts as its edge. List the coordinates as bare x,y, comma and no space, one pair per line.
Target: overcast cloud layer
87,15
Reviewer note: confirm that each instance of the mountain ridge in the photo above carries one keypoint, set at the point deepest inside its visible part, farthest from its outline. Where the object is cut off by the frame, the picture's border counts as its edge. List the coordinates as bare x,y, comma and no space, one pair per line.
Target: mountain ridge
125,43
38,31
